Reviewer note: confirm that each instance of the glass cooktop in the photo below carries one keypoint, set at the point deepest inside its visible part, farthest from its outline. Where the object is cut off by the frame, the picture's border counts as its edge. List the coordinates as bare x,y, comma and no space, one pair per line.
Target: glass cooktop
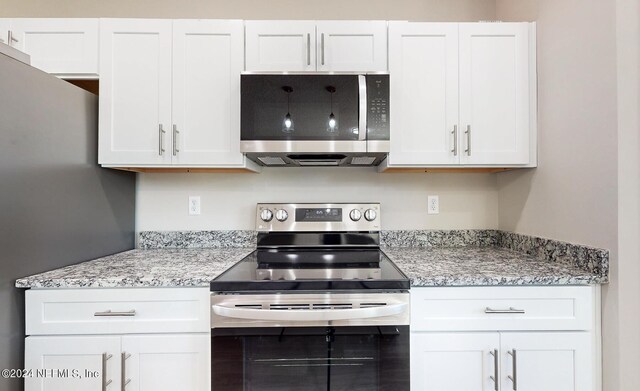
312,269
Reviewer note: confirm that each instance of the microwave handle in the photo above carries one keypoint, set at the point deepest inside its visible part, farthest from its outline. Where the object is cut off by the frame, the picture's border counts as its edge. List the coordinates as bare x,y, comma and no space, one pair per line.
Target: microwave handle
362,114
310,315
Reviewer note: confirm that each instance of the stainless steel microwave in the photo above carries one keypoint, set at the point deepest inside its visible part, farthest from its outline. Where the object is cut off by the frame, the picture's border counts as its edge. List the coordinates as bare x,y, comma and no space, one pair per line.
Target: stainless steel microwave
315,119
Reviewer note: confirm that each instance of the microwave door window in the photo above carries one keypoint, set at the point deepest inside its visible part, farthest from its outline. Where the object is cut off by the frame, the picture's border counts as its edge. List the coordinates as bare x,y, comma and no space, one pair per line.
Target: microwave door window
299,107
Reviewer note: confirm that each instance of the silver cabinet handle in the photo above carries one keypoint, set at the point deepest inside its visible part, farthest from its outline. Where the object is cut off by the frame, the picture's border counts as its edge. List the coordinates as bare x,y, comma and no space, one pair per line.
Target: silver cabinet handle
308,49
322,46
115,313
161,133
175,140
511,310
514,376
495,377
11,38
468,133
455,140
123,370
105,382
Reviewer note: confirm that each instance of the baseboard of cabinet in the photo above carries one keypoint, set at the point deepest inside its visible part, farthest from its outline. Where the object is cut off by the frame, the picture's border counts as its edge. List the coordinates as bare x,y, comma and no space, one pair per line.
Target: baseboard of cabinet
230,170
446,169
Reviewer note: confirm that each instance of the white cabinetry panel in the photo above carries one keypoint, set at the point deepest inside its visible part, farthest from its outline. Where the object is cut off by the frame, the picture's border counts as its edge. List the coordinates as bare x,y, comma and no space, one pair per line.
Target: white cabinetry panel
547,361
352,46
73,353
423,62
64,47
494,92
280,45
453,361
135,91
207,62
167,362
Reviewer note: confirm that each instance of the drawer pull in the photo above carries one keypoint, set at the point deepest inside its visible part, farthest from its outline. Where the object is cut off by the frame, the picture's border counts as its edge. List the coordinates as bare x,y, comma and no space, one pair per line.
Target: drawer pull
115,313
511,310
495,377
105,382
514,376
124,381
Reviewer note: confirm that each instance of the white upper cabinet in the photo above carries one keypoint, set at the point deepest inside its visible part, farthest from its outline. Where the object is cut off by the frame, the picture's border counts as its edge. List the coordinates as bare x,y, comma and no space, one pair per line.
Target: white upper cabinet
296,46
462,94
423,66
351,46
170,93
207,62
280,45
494,93
135,91
64,47
5,25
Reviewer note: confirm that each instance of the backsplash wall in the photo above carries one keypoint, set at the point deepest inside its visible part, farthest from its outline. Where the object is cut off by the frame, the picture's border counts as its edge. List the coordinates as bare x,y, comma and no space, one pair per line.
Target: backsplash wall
467,201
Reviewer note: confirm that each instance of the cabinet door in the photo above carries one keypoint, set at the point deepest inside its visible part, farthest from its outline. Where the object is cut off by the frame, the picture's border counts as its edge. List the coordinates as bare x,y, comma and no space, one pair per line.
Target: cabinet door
135,91
280,45
207,62
546,361
167,362
5,24
73,363
453,361
65,47
352,46
494,93
423,63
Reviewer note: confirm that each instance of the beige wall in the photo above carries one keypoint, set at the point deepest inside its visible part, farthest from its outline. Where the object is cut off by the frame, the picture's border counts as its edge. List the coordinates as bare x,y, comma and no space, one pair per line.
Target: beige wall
627,271
589,155
229,200
425,10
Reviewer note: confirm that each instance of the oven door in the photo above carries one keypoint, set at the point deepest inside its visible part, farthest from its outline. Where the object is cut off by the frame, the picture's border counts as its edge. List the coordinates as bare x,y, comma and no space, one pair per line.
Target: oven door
362,358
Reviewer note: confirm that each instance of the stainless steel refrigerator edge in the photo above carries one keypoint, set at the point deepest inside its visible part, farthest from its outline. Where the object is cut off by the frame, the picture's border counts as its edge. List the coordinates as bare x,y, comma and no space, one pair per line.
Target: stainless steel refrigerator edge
57,206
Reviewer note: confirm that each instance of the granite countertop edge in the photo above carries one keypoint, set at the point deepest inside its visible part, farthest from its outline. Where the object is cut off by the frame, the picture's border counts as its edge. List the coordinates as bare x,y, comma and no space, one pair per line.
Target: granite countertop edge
141,268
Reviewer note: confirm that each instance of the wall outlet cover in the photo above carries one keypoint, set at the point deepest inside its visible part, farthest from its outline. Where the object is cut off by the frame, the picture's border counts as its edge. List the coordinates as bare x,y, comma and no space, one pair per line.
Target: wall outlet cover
433,205
194,205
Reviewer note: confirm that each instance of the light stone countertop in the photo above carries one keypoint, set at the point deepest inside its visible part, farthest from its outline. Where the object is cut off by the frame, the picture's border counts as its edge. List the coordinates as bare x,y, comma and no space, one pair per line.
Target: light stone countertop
425,266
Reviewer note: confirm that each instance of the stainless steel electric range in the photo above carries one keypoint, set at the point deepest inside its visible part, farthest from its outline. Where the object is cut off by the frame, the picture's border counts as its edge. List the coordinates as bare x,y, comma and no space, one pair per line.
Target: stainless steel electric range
318,305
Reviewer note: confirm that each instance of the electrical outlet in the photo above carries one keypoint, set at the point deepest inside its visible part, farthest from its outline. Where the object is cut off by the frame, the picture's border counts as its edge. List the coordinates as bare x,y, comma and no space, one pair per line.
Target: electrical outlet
433,205
194,205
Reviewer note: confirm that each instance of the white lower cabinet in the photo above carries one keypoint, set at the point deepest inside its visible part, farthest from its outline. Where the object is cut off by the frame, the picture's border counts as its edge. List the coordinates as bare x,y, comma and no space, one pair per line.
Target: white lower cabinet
72,363
548,361
466,361
166,362
119,339
453,361
493,350
131,362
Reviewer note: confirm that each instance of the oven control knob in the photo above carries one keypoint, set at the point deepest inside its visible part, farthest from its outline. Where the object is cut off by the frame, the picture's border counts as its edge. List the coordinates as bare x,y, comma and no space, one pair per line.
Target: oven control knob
355,215
370,214
266,215
281,215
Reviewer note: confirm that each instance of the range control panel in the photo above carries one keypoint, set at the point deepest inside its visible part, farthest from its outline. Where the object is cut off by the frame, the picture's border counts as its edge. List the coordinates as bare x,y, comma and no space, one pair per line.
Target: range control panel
333,217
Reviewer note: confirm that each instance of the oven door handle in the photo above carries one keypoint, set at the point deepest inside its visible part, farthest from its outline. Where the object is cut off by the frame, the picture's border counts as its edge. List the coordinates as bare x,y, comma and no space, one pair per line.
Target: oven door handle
310,315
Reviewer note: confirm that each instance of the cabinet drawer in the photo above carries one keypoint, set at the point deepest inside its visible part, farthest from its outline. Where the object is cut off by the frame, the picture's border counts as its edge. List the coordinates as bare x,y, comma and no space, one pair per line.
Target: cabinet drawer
502,308
117,311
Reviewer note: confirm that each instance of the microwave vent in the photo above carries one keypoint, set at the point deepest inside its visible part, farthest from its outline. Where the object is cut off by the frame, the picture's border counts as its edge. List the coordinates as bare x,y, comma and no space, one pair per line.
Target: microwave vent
272,161
362,160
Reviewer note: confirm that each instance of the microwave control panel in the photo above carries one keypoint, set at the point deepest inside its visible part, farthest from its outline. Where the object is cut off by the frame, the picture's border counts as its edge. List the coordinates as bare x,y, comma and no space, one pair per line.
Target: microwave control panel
378,107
